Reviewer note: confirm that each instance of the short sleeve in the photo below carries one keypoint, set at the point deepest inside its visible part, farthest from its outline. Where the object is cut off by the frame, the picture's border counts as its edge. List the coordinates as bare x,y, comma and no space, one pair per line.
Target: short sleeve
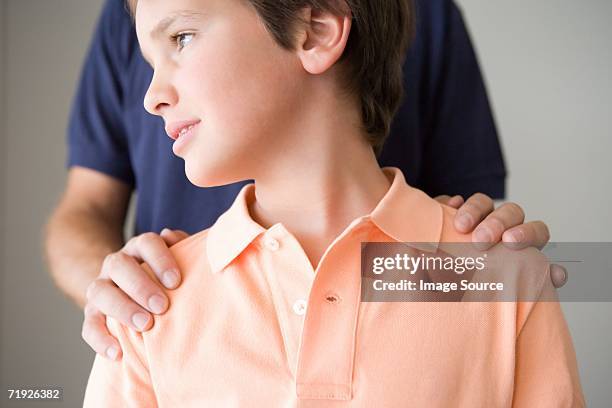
462,153
97,136
123,383
546,371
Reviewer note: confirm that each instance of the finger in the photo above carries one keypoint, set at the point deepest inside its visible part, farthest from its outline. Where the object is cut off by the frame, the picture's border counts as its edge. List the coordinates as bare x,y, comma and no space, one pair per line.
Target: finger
171,237
152,249
476,208
135,282
111,301
558,275
490,231
96,334
455,201
531,234
442,198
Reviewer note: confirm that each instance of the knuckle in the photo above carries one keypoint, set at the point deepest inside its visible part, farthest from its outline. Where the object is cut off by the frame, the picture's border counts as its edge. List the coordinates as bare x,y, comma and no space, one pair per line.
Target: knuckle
93,289
163,260
108,260
89,309
132,241
121,308
118,261
114,260
146,238
137,287
86,331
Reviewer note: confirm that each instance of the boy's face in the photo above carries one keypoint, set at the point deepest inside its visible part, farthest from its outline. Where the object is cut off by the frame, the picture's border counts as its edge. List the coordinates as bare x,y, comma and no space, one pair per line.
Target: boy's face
224,73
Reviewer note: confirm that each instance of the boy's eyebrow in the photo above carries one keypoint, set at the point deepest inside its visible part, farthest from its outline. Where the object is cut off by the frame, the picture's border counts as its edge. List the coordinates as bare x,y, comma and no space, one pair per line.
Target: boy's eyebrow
167,21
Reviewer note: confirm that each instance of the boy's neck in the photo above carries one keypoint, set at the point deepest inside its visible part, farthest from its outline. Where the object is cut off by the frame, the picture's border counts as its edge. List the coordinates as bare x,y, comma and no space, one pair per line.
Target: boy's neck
321,174
316,199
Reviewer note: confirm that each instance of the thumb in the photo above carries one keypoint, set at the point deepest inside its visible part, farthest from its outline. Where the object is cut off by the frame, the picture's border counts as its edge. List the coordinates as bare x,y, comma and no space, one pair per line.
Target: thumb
171,237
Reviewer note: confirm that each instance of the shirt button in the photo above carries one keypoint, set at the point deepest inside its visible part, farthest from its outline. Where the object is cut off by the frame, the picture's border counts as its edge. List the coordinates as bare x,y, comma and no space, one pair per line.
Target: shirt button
299,307
271,244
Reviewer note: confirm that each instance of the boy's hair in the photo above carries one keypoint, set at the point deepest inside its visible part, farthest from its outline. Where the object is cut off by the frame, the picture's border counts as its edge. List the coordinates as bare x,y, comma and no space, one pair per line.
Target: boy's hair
372,62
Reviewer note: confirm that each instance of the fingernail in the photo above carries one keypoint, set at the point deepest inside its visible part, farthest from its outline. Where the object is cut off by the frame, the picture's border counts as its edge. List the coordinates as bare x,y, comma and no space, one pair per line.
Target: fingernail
482,234
112,352
170,278
164,230
157,304
558,274
516,236
140,320
464,221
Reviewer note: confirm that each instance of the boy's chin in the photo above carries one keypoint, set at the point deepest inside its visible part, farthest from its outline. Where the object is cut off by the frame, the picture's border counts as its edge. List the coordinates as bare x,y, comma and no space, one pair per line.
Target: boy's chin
207,177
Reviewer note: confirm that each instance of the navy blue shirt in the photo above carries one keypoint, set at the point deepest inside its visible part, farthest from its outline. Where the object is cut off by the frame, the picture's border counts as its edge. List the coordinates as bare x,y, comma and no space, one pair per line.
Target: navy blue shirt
443,138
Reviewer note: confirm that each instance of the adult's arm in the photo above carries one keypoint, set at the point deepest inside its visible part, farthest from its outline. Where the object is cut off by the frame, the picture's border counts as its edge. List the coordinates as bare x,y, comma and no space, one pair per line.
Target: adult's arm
85,227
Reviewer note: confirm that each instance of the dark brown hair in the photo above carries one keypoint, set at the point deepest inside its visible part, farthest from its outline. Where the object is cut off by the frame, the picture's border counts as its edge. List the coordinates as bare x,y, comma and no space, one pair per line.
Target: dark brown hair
381,32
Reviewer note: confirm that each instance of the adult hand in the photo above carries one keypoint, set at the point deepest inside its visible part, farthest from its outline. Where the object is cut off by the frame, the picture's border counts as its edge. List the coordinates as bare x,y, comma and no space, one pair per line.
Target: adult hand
126,292
490,225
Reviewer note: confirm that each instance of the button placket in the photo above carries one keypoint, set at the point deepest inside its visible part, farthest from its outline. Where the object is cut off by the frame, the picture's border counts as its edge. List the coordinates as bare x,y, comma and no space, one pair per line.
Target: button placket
290,277
334,308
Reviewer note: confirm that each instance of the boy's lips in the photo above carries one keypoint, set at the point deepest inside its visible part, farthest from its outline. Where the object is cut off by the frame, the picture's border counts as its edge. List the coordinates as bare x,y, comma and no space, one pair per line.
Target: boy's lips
174,129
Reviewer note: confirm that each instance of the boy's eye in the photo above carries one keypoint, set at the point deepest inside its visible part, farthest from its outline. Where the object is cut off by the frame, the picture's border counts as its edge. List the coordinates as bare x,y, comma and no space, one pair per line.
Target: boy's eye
182,39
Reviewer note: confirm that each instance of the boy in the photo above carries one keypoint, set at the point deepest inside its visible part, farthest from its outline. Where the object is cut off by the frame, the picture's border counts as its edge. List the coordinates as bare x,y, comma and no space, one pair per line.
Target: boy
271,291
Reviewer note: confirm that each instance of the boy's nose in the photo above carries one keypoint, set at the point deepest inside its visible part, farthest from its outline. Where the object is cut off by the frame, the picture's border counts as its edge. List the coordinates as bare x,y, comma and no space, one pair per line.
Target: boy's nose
159,96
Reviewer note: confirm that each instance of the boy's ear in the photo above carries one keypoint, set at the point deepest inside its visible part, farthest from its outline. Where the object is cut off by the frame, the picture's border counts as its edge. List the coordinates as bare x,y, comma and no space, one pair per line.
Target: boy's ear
321,39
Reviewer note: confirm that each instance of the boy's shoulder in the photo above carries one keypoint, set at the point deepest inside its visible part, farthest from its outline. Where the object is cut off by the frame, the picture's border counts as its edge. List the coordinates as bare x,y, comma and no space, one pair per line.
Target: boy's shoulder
190,253
189,242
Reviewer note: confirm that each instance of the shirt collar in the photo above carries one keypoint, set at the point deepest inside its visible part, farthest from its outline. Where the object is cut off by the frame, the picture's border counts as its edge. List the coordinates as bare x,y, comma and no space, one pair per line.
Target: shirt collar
406,214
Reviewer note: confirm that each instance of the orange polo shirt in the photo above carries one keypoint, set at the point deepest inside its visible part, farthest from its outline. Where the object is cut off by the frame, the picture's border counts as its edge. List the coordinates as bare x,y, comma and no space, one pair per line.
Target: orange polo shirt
253,325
